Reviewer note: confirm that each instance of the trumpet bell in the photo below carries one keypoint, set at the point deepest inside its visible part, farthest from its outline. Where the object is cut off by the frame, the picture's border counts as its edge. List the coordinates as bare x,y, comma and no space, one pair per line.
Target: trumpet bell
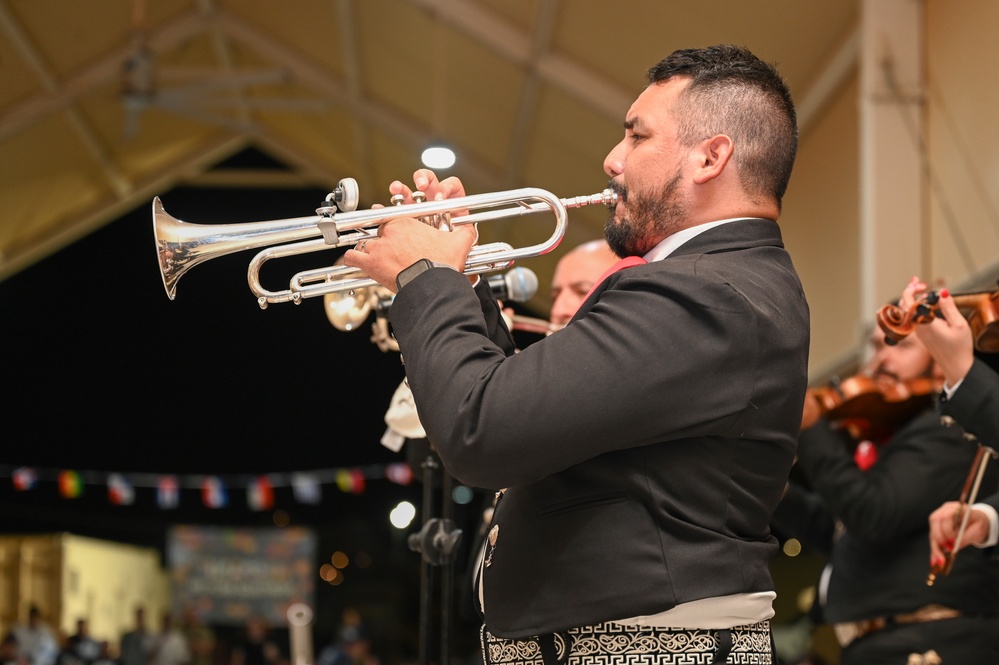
180,245
165,232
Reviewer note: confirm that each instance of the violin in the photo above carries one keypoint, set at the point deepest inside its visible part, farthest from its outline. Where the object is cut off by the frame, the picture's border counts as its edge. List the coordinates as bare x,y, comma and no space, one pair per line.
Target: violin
981,309
867,408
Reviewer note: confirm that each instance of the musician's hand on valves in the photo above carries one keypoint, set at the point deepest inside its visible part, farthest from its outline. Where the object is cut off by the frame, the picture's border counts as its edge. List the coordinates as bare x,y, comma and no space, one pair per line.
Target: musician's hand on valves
426,181
947,337
945,522
403,241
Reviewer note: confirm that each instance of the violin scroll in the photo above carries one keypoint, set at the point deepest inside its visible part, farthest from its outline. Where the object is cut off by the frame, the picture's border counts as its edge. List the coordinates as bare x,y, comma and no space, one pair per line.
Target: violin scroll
980,309
898,323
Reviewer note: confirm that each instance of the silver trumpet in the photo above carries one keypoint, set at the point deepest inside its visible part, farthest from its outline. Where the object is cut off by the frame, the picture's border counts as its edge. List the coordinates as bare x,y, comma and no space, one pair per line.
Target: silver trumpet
181,245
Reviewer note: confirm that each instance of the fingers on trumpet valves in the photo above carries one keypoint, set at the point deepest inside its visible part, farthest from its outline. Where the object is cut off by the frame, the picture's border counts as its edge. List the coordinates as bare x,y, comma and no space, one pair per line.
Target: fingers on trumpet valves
438,221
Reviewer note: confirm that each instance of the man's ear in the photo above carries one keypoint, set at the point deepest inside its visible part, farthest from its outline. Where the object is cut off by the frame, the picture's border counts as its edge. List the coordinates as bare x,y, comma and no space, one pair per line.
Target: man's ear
715,153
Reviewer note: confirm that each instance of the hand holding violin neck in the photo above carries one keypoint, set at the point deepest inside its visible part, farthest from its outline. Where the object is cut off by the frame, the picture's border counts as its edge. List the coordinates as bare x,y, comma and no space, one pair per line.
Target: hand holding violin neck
898,323
981,309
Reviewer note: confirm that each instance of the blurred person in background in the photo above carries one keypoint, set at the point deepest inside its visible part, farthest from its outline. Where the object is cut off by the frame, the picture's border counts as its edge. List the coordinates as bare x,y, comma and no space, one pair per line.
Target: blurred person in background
169,646
136,644
36,639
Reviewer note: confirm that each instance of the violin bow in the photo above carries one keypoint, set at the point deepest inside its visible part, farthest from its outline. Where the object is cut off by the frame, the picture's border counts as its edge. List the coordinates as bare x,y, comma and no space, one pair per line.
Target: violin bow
968,495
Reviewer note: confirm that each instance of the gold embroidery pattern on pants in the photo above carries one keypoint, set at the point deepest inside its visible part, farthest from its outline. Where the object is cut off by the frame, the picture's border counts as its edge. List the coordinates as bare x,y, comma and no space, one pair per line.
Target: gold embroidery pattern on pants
617,644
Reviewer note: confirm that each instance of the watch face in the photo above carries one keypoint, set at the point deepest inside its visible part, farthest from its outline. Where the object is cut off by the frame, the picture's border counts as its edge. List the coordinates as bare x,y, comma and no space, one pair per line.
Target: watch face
408,274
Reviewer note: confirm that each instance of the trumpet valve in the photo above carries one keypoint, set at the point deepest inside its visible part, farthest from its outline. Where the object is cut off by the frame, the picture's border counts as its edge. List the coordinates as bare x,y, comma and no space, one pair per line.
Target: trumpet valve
436,221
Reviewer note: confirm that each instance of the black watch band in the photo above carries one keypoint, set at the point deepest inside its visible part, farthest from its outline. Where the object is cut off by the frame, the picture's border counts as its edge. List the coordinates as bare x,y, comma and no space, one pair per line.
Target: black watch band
407,275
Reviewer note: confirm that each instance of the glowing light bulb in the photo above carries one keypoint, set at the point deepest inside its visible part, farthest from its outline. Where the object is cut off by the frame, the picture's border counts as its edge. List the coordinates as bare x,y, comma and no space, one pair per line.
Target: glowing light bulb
438,157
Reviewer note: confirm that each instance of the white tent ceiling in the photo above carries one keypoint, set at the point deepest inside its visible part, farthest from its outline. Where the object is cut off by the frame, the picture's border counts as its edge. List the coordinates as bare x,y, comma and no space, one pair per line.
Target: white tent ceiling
105,104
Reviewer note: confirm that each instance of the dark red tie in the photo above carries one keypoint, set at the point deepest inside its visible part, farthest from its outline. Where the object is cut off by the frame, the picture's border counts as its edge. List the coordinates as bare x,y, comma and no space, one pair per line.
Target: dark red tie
626,262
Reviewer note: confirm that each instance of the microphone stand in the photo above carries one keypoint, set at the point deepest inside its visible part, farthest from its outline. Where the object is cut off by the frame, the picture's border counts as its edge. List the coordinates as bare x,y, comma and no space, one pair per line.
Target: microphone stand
437,542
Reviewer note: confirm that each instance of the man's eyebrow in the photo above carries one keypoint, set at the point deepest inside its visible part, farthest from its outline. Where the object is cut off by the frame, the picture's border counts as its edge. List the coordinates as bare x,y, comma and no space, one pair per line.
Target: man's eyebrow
634,122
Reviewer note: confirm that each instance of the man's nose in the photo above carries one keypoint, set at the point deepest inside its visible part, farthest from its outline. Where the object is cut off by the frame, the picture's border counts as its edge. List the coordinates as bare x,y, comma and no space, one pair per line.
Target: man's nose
614,161
880,362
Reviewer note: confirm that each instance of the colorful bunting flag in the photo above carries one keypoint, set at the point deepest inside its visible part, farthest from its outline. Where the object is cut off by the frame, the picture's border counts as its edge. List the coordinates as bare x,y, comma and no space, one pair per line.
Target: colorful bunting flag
306,488
24,479
167,492
350,480
213,492
260,494
399,473
70,485
120,491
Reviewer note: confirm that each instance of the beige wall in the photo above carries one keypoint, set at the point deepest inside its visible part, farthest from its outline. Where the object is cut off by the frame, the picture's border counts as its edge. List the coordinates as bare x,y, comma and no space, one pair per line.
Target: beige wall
106,581
963,140
959,194
820,224
72,577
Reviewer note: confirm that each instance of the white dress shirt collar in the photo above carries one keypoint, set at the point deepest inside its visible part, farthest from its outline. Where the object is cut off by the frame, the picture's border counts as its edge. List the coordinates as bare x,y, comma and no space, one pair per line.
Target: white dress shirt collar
669,244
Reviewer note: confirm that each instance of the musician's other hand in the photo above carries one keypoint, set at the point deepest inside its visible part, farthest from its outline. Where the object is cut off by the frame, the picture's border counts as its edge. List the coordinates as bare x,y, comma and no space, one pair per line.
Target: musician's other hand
945,522
912,292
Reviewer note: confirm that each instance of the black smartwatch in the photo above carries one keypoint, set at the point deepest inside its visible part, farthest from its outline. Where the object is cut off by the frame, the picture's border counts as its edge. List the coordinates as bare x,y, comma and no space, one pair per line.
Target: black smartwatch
407,275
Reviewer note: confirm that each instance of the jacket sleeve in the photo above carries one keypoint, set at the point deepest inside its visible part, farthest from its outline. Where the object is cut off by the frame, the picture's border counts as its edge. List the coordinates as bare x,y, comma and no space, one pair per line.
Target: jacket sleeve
975,404
641,367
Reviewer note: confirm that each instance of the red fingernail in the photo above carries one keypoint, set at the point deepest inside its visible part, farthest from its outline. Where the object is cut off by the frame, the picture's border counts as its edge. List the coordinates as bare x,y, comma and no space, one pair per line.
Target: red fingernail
944,293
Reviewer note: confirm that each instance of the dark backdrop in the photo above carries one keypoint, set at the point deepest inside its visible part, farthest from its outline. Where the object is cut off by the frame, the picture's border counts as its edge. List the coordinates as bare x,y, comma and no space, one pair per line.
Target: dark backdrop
103,373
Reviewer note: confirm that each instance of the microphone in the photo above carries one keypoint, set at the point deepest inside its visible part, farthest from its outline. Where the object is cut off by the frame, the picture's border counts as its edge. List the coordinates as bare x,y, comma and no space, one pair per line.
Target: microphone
517,285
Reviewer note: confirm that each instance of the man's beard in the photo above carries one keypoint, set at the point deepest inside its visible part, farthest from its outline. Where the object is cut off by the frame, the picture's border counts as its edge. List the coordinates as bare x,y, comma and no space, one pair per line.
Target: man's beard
650,219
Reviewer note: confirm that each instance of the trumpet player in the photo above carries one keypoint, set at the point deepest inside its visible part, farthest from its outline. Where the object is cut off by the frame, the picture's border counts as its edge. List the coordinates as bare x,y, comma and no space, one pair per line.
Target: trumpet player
646,445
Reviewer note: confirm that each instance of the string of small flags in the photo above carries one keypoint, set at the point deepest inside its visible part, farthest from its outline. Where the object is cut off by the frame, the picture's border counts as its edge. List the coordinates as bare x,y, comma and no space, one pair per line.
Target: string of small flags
307,486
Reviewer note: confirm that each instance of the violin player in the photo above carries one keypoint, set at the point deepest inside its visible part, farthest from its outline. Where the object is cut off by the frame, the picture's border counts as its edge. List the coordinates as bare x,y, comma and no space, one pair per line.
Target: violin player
873,526
971,397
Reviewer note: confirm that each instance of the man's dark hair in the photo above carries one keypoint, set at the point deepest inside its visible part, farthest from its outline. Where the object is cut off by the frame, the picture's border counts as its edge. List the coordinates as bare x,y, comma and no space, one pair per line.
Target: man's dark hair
733,92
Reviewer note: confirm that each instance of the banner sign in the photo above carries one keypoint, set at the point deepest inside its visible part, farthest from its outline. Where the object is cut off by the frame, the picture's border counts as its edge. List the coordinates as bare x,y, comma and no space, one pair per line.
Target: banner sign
231,574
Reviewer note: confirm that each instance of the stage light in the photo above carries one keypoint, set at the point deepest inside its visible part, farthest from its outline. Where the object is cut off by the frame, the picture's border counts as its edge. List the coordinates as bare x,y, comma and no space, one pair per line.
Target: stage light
462,495
438,157
402,515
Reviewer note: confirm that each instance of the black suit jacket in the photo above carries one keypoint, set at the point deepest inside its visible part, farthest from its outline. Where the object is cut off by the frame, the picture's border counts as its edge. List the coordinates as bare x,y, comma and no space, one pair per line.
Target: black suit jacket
644,446
975,407
975,404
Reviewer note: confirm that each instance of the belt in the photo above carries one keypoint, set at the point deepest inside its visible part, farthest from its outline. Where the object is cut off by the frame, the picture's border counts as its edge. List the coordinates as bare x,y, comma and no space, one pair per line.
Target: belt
853,630
628,644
